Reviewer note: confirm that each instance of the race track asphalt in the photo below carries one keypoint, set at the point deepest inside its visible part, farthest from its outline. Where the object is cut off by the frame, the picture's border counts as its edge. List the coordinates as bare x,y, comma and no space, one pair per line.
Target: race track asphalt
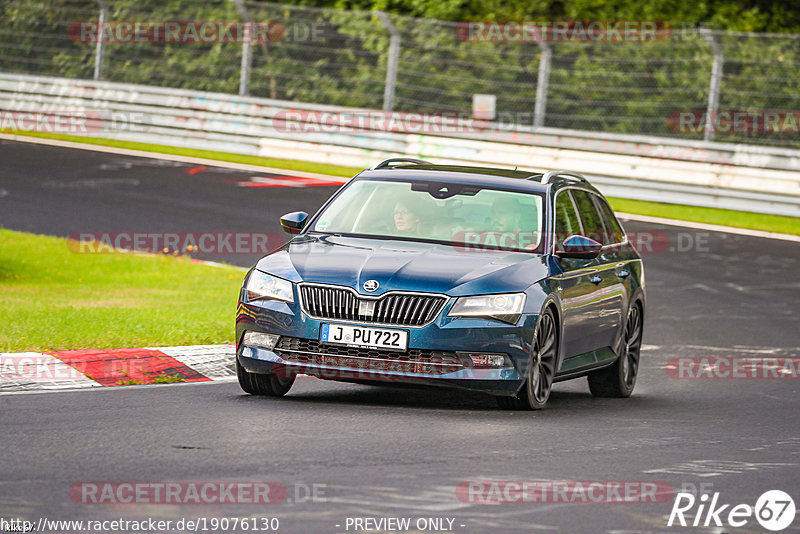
381,452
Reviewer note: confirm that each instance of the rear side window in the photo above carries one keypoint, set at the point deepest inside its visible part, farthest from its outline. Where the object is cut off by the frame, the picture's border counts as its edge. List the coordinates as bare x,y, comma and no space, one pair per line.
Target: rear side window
592,223
614,233
567,222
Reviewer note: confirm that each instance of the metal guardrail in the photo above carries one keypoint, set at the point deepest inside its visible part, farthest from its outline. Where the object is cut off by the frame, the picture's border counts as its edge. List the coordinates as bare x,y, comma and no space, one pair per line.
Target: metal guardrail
749,178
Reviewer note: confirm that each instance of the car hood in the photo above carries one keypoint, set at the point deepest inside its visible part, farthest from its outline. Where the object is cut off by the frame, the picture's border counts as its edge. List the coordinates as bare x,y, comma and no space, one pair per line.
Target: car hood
403,265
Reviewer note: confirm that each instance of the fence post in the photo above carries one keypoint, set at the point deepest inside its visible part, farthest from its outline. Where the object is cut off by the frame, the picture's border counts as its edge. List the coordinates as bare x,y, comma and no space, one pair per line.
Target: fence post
714,85
247,49
392,61
100,47
540,106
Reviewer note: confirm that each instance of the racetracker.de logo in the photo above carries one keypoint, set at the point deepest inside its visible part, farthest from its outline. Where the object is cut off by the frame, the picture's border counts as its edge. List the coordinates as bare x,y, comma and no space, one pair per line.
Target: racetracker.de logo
644,242
565,31
74,122
735,121
66,122
175,242
27,367
564,491
177,32
732,368
362,121
177,493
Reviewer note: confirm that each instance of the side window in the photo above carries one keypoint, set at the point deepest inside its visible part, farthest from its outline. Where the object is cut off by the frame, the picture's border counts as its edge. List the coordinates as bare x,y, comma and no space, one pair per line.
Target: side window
614,233
592,223
567,222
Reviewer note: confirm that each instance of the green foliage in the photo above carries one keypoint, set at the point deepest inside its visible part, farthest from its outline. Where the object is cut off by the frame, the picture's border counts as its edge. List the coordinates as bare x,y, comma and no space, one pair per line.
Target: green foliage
167,379
131,382
740,15
337,57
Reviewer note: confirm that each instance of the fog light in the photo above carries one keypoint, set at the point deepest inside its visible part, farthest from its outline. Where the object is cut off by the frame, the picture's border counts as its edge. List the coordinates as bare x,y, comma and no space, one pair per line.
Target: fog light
261,340
487,360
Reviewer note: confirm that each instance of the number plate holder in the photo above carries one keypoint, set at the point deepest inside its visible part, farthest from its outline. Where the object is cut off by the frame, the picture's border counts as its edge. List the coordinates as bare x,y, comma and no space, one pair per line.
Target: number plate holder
365,337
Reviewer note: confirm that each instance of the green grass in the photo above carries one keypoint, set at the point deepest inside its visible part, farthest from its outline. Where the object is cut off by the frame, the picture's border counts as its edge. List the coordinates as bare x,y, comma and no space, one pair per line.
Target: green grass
130,382
168,379
54,299
739,219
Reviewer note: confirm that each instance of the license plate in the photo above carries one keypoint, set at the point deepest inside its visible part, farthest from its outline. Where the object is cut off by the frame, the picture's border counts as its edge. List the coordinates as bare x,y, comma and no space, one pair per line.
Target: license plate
364,337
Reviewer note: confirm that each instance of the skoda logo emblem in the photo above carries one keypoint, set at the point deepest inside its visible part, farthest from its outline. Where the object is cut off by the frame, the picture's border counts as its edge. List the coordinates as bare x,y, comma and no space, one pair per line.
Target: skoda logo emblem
371,285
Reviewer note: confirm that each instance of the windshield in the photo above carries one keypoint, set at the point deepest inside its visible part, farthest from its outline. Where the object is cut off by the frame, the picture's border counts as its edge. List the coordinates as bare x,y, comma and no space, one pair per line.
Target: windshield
475,217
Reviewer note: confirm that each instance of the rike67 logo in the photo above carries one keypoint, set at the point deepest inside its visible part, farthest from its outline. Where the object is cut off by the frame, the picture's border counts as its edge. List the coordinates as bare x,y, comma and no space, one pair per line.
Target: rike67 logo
774,510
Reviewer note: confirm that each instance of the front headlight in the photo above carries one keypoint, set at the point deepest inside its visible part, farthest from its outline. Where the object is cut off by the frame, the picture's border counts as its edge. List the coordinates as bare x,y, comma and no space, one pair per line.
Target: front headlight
506,308
265,286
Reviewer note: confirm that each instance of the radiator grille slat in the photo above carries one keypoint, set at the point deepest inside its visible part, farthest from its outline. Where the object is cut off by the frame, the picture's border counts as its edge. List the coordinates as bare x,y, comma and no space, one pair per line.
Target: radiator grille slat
352,307
415,315
385,310
399,309
379,309
427,311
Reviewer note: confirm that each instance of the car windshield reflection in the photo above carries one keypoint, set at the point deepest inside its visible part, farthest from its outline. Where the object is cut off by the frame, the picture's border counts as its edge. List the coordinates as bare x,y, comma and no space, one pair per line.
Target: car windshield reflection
464,216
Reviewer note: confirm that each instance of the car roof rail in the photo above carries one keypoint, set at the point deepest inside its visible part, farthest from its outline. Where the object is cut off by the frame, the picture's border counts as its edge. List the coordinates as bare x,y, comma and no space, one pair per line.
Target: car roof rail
391,161
549,175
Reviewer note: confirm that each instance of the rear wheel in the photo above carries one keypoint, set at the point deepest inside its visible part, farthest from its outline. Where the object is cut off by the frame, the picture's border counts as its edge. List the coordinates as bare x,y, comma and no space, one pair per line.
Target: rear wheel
536,389
619,379
261,384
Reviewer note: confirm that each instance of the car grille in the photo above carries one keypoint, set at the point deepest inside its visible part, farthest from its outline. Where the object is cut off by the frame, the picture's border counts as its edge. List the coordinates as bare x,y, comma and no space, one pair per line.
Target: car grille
312,352
339,303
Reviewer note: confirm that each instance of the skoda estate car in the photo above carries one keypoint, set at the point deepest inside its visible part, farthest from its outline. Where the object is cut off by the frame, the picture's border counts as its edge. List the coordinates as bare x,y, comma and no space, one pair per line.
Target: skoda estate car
482,279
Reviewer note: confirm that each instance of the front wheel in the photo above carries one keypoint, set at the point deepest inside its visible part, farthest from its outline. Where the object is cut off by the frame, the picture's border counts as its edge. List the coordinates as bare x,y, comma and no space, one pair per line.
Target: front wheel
619,379
536,389
260,384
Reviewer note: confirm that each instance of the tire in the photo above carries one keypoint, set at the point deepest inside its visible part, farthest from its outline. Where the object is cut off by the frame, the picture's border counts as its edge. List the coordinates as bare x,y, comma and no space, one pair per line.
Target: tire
619,379
260,384
536,390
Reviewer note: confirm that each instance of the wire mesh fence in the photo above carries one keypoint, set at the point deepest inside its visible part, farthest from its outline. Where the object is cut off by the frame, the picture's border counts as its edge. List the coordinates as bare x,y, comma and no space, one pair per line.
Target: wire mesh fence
686,83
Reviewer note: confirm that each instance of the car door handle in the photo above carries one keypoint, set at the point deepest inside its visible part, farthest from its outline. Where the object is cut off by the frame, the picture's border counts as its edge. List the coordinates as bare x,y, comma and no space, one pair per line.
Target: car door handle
596,279
623,273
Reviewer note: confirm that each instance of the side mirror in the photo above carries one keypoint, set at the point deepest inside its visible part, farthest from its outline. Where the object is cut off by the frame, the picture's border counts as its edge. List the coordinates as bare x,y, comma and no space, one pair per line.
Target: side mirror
578,246
293,223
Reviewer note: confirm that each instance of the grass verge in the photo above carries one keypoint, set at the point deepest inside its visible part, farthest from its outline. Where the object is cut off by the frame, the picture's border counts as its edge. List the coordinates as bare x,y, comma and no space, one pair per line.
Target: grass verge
55,299
738,219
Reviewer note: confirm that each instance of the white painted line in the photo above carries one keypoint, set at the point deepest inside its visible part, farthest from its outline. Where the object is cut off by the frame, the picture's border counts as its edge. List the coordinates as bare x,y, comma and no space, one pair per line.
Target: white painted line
170,157
118,388
710,227
650,347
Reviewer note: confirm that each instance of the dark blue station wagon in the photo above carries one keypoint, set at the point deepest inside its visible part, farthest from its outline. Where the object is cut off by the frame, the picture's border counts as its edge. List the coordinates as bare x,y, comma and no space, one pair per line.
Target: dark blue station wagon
476,278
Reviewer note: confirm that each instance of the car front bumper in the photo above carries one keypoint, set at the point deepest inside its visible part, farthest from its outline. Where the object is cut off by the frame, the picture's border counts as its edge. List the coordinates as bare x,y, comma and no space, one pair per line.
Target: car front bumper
443,342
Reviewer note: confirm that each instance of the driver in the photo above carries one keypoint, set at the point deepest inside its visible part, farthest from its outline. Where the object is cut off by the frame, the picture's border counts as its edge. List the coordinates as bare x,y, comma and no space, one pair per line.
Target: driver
412,214
407,217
